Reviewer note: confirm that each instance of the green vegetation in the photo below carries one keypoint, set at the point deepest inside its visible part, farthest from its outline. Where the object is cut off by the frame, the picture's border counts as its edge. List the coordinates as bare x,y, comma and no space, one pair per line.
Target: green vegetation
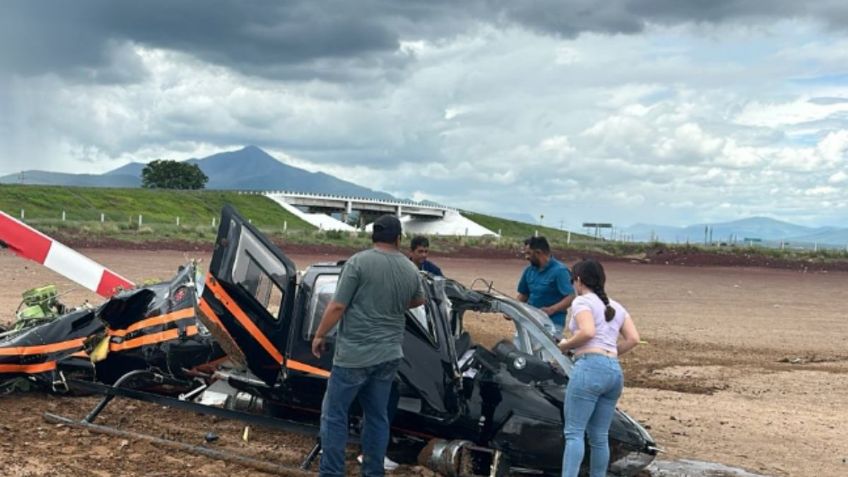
165,174
45,204
510,229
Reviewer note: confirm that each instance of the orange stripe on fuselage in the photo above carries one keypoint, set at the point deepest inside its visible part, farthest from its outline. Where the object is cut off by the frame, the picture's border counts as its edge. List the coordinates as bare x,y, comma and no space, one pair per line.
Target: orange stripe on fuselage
42,349
153,338
28,368
242,318
210,313
156,320
298,366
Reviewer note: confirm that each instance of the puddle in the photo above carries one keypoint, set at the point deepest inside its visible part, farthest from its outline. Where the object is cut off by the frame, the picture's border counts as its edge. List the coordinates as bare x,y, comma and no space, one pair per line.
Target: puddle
695,468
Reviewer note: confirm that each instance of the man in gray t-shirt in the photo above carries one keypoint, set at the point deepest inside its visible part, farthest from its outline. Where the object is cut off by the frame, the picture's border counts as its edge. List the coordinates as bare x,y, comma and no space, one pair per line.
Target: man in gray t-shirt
374,291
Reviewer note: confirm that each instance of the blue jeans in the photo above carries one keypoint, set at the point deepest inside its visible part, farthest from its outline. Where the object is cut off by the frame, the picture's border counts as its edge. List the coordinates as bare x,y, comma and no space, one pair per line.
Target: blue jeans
593,389
373,386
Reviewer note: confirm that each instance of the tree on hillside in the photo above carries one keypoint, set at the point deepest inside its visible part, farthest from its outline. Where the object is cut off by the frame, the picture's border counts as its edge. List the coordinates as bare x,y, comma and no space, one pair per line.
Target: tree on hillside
166,174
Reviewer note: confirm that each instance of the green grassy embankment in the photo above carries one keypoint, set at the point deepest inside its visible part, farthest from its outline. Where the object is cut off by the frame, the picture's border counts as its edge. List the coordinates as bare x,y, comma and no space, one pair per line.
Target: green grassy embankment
511,229
83,206
159,209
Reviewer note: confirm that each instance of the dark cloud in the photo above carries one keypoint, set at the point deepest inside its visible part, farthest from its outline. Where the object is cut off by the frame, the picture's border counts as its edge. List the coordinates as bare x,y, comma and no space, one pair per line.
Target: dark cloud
827,101
333,40
268,38
570,18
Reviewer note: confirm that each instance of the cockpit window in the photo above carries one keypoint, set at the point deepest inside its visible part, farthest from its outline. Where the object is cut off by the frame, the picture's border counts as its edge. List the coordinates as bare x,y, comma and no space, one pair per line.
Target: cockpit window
260,274
422,317
322,294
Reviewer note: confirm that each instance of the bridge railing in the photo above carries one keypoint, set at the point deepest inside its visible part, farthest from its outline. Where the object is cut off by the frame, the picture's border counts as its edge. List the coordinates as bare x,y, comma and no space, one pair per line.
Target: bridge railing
349,198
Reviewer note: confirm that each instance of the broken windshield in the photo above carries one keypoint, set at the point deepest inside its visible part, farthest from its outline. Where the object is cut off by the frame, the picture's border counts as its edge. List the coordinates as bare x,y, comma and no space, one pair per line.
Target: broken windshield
533,330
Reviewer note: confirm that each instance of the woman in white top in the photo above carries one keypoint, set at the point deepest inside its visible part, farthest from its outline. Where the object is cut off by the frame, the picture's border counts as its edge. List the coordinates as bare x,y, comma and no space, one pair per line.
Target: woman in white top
596,380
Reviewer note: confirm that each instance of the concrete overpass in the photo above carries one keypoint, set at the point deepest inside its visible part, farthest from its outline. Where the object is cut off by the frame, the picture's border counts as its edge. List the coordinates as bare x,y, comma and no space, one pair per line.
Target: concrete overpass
330,212
346,205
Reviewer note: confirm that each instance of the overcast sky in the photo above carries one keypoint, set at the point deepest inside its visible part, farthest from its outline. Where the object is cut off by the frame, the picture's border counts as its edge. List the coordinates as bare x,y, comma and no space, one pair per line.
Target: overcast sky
655,111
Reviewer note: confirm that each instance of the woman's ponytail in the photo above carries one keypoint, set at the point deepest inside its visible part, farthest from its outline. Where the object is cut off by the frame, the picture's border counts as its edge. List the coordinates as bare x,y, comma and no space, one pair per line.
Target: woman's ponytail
609,311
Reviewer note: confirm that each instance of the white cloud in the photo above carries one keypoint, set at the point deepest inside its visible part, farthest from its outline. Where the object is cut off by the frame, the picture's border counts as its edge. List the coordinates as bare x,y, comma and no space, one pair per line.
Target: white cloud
839,177
820,191
677,123
834,146
797,111
688,142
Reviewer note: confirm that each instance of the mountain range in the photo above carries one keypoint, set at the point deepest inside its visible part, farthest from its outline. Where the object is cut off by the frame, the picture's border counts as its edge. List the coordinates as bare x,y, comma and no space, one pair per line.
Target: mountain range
249,168
750,230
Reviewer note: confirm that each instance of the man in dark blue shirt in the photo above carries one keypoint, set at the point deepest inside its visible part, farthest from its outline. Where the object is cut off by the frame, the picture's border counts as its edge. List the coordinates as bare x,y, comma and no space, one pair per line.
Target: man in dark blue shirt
546,282
420,249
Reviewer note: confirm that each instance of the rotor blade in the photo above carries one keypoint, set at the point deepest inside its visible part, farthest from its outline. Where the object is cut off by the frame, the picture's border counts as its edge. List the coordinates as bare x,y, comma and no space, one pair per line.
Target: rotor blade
29,243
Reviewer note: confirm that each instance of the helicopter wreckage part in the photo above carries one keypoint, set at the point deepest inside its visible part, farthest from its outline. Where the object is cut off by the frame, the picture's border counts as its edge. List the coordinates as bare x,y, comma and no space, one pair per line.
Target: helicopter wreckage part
29,243
262,465
224,413
460,458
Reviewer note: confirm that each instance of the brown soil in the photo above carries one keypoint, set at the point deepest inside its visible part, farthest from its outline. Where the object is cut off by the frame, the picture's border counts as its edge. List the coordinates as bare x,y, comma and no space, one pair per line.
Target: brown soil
659,255
744,366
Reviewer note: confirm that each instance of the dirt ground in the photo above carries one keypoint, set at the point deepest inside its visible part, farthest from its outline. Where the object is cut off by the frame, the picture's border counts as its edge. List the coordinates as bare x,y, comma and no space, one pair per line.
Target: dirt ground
743,366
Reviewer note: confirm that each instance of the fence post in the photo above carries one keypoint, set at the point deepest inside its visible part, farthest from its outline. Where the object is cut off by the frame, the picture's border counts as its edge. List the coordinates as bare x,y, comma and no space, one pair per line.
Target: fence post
178,221
213,221
285,226
22,214
568,238
536,233
139,220
63,216
102,217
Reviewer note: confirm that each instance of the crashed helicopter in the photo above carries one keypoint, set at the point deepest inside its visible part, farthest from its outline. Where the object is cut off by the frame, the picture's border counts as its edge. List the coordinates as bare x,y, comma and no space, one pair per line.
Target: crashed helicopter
464,409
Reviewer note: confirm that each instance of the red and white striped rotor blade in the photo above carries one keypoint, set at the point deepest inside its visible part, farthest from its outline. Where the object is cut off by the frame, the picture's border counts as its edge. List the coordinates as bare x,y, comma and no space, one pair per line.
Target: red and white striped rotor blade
29,243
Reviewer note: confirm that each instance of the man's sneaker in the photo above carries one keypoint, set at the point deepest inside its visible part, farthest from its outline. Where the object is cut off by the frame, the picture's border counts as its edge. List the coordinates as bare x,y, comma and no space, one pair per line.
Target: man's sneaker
388,464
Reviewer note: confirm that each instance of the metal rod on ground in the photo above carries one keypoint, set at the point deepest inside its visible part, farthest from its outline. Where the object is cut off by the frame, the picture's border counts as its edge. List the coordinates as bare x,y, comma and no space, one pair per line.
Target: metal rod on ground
257,464
307,463
107,399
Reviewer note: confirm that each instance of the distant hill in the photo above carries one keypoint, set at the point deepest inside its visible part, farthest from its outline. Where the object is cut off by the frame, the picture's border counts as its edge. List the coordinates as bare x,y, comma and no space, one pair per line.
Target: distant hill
827,235
762,228
249,168
132,169
650,232
82,180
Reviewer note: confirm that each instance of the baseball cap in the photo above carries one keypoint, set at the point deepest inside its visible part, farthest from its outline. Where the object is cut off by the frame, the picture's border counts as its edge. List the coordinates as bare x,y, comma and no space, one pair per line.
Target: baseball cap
386,229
